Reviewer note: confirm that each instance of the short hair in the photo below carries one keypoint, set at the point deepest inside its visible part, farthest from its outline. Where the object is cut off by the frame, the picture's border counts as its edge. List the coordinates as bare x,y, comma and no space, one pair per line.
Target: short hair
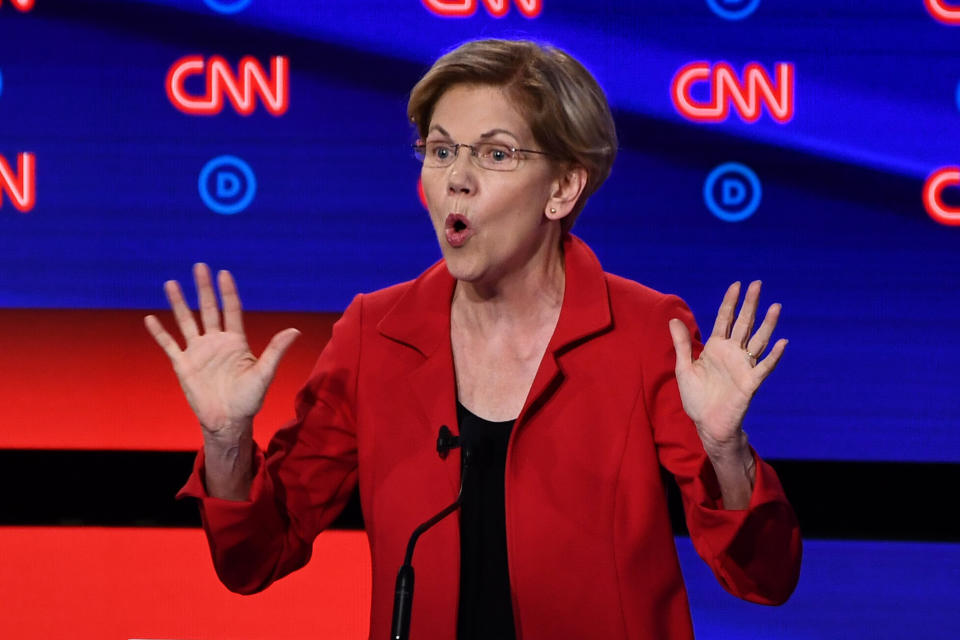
562,102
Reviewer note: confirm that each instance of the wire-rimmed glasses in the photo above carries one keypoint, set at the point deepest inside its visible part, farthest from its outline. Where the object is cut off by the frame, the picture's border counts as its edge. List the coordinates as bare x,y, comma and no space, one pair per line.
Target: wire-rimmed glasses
494,156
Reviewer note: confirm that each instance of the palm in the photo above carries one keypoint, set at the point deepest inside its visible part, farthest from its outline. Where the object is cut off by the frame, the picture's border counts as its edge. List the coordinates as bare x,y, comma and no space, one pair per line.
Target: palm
223,381
716,389
220,379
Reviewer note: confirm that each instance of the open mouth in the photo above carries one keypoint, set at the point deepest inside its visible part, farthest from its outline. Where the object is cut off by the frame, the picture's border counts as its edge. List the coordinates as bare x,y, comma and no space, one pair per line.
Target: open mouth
457,229
457,222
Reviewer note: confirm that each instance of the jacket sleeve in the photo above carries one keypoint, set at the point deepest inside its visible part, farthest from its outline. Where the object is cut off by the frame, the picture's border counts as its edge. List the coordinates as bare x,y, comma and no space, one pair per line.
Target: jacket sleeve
302,482
754,553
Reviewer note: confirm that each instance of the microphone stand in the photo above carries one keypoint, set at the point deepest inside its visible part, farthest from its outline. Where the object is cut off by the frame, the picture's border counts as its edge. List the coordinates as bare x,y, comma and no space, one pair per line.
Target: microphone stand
403,594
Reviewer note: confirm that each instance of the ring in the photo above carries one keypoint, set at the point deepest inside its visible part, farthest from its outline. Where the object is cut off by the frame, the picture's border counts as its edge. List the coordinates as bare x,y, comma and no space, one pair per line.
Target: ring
750,355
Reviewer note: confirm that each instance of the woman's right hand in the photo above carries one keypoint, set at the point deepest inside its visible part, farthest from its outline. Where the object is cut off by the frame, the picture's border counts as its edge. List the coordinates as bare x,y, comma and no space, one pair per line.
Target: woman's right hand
224,382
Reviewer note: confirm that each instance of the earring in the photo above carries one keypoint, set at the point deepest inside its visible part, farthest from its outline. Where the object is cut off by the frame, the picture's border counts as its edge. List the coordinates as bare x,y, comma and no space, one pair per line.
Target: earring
552,210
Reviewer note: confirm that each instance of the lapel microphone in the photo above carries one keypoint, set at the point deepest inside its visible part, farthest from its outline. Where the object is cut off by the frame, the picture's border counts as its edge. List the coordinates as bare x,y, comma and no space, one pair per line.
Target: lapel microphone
403,594
446,441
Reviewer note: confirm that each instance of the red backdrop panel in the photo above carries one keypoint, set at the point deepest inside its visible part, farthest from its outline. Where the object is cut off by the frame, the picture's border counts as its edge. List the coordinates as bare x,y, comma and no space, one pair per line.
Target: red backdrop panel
105,584
95,379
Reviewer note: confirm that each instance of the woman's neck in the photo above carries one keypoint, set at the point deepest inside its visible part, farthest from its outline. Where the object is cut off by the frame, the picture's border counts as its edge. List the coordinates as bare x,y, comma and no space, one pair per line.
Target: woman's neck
526,297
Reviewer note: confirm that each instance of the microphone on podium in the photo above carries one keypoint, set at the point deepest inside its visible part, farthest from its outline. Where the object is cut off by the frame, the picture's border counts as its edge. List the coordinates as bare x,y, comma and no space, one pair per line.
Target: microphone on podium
403,594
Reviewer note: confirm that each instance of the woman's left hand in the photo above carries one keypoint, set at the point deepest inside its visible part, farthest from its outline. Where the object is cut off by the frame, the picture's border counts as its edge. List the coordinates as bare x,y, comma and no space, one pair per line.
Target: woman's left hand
716,389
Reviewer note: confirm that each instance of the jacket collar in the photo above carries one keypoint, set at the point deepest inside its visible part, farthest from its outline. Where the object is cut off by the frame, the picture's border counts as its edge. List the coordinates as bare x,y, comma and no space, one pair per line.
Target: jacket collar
421,318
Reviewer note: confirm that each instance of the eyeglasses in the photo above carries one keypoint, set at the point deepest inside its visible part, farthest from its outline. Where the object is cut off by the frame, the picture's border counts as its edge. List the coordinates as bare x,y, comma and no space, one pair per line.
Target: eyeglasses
494,156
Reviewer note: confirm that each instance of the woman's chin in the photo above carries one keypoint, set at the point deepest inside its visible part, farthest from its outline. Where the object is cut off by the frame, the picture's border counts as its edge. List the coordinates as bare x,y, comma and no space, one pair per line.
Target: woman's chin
462,267
463,273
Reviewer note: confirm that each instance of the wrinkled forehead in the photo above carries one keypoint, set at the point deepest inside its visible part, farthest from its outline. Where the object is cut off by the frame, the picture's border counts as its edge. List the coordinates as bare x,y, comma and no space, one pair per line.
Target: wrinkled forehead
467,112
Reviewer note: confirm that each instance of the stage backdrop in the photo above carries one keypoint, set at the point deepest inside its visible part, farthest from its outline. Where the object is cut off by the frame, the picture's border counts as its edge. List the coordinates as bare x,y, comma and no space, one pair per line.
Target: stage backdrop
812,145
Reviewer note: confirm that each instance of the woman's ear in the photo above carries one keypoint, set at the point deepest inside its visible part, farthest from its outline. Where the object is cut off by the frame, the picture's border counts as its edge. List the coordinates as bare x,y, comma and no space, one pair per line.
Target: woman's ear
566,191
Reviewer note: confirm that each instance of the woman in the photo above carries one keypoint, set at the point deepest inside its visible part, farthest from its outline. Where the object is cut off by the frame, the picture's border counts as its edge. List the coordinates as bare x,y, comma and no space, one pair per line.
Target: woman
572,385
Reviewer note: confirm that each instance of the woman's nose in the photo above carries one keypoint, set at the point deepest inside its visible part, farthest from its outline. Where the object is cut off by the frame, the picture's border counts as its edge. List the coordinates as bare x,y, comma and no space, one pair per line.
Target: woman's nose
460,177
456,185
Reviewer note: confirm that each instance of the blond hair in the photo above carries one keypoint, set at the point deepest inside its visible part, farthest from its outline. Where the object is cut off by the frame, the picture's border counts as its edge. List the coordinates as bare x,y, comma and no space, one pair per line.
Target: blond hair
562,102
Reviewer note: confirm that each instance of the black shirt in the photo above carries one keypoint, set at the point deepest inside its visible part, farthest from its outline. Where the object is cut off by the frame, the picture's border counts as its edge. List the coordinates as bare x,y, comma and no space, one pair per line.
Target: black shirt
486,610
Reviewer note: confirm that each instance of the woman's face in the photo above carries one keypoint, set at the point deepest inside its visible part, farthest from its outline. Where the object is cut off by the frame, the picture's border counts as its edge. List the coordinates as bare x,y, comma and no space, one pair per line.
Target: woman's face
489,223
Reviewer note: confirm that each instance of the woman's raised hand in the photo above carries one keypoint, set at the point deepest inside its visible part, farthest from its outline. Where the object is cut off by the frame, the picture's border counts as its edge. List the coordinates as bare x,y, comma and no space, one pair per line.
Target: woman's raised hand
716,389
224,382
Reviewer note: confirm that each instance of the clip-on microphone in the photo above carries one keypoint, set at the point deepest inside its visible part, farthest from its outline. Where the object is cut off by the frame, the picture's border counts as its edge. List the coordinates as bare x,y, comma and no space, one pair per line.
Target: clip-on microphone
446,441
403,595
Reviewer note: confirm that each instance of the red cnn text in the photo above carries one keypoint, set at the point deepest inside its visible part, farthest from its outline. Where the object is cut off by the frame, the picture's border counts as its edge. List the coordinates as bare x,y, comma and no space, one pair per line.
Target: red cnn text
933,195
22,5
725,89
20,187
251,80
943,11
496,8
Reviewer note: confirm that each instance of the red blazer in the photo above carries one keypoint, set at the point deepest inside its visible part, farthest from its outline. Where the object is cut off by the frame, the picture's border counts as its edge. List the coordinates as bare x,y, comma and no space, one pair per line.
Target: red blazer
589,541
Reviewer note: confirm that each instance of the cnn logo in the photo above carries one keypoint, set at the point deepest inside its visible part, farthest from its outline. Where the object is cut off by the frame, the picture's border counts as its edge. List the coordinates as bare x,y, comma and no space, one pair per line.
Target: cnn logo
22,5
496,8
943,11
240,89
726,90
20,187
933,195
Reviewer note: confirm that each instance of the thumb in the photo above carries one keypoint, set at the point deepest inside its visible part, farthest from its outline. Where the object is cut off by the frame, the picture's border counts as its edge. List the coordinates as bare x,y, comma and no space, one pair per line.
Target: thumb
681,343
270,358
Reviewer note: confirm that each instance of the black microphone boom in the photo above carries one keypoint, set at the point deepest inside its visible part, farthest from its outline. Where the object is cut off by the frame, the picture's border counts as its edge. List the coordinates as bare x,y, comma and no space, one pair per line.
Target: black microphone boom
403,595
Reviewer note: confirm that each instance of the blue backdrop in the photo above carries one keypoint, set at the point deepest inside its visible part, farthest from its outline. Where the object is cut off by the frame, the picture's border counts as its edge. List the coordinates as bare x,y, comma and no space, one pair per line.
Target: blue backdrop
870,282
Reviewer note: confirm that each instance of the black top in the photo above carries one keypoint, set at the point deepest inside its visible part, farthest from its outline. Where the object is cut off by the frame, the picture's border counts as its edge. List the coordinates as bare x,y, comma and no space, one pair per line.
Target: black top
486,610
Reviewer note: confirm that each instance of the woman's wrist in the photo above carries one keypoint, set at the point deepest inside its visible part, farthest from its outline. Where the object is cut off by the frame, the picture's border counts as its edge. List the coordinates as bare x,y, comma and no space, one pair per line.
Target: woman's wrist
730,449
735,468
228,465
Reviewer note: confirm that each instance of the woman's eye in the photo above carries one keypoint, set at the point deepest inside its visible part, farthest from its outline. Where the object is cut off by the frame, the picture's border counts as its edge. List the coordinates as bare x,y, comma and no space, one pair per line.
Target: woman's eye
441,152
499,154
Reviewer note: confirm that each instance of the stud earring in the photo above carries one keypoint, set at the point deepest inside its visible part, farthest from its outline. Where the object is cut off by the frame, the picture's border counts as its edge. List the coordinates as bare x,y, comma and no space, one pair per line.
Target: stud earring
552,210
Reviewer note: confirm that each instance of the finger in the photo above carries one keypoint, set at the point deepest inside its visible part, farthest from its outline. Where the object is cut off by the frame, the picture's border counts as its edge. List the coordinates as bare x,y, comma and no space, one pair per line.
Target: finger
181,312
209,312
232,309
681,344
721,327
164,339
766,366
758,343
270,358
747,316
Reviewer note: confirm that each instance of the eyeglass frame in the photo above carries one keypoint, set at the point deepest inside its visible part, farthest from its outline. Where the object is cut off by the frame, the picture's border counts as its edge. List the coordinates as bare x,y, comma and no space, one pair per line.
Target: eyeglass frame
419,148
